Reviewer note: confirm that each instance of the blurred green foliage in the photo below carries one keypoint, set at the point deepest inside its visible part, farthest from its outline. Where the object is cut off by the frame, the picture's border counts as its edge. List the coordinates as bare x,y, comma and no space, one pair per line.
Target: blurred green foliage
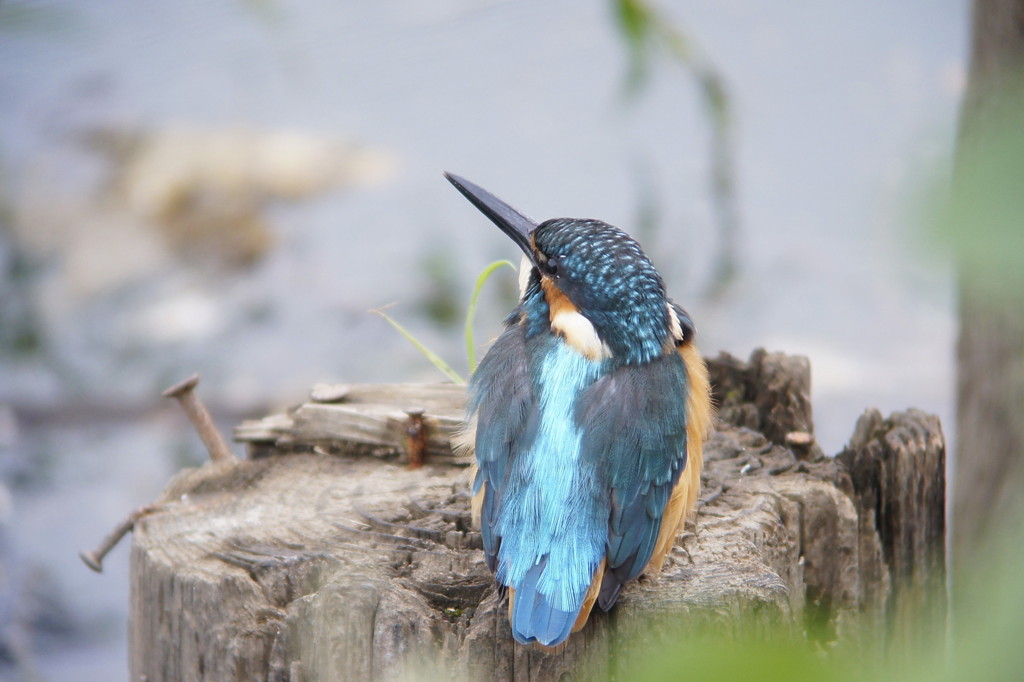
19,328
19,16
748,658
648,34
983,221
440,300
987,645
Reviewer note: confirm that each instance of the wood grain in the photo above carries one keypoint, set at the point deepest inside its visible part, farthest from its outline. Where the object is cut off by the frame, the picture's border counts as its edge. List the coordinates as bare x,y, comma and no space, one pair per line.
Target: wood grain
315,561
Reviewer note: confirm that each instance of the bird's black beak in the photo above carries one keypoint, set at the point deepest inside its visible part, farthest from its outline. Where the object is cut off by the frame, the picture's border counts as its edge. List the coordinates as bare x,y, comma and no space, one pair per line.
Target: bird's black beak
509,220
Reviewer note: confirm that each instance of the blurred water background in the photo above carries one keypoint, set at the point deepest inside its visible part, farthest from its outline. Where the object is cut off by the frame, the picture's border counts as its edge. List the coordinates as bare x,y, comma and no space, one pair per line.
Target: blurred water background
230,187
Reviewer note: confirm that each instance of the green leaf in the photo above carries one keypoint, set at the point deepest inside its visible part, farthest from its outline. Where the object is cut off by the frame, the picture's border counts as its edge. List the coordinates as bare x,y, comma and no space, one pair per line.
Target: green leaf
429,354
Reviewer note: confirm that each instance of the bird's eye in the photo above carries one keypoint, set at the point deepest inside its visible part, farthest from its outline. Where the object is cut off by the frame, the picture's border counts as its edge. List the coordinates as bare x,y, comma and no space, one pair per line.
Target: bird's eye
551,266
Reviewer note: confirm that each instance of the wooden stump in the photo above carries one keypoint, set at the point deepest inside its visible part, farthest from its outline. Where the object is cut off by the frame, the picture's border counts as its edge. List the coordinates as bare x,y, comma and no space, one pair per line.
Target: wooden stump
316,560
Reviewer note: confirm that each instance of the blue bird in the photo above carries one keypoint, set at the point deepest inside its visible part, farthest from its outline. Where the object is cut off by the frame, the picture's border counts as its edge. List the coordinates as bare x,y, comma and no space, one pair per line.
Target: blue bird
588,417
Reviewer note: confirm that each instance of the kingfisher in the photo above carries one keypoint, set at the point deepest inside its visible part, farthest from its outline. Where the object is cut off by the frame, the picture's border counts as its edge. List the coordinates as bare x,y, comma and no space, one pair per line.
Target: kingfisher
587,417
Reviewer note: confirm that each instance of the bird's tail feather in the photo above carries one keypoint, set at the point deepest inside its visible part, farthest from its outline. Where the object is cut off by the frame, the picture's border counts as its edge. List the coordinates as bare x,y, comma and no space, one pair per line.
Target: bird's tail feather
534,618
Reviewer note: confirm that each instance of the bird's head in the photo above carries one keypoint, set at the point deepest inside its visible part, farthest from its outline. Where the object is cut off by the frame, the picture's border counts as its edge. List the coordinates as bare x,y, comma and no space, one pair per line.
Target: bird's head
590,269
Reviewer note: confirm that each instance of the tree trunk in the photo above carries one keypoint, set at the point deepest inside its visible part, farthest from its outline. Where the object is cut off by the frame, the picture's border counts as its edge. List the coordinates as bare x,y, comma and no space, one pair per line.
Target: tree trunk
989,237
330,559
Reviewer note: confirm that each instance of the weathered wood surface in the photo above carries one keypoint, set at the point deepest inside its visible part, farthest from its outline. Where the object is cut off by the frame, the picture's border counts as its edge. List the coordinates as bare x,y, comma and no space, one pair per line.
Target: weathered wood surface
313,561
363,419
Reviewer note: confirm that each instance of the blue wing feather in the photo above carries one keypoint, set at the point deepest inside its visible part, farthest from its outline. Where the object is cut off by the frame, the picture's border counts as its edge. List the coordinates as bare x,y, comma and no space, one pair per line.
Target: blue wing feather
543,519
635,421
501,396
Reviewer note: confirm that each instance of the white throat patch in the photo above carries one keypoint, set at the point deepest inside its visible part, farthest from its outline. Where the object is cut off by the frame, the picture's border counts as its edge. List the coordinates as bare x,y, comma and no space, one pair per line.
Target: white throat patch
580,334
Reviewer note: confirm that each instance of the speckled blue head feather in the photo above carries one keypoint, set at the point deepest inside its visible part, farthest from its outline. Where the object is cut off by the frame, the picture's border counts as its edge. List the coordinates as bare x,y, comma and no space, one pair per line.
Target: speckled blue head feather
609,279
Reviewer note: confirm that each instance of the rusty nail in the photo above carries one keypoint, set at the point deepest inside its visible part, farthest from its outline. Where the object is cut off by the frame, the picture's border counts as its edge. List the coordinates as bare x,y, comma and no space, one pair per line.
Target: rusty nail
416,444
94,559
197,413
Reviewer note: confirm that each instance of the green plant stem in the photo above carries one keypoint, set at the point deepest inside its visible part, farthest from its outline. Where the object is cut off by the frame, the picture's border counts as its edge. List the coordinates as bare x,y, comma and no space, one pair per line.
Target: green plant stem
471,312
